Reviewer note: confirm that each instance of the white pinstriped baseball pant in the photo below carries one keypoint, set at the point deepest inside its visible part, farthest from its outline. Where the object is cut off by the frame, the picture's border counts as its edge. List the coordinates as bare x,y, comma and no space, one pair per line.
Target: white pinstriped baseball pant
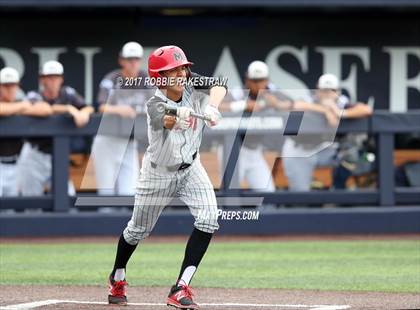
155,190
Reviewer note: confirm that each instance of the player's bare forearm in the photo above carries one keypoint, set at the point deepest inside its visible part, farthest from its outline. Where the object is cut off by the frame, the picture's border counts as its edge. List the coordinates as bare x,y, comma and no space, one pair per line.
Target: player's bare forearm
332,118
278,104
107,108
80,117
60,108
38,109
122,110
87,110
358,111
7,109
306,106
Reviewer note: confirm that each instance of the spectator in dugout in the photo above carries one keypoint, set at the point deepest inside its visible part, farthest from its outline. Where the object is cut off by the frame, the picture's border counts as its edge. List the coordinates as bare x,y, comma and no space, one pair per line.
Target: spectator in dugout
35,161
12,103
122,92
263,96
301,153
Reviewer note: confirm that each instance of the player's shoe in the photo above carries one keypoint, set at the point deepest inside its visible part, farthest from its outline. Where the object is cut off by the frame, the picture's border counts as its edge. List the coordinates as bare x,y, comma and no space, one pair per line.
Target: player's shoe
180,296
117,294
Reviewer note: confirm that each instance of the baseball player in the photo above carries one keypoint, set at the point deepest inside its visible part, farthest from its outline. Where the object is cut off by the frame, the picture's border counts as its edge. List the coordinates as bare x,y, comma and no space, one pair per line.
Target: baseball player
116,158
10,148
35,160
263,96
300,156
171,168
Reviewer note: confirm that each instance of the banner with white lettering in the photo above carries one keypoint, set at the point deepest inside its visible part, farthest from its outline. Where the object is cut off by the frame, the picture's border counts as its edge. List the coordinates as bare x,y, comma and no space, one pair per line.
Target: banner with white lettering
377,60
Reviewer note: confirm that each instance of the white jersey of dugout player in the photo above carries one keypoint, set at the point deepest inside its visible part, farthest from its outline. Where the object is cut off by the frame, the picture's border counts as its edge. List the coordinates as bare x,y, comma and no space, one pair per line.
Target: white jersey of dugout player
303,153
35,161
116,158
251,162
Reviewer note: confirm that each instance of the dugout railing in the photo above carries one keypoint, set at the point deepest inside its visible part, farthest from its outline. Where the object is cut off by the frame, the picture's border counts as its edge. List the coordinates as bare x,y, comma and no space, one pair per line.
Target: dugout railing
383,125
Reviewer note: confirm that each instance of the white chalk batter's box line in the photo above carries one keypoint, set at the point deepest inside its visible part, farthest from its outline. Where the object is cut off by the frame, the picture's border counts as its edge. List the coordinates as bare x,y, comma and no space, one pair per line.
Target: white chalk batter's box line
35,304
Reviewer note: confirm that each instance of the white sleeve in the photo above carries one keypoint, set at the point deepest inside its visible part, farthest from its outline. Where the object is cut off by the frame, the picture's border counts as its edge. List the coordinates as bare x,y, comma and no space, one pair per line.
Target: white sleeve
238,106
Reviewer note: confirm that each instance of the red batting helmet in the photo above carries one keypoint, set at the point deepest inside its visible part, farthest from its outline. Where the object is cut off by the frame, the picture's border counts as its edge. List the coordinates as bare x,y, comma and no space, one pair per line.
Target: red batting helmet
166,58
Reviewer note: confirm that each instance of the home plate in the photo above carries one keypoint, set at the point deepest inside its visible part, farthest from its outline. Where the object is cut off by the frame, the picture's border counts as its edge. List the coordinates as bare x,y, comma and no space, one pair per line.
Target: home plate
35,304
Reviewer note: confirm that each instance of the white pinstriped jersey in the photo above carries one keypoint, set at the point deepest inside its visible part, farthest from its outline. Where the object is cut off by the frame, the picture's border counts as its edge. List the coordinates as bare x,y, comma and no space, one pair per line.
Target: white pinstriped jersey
176,146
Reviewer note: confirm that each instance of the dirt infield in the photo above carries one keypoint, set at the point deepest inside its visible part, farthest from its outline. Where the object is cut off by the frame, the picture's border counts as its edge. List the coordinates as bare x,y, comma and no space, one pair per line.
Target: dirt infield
229,299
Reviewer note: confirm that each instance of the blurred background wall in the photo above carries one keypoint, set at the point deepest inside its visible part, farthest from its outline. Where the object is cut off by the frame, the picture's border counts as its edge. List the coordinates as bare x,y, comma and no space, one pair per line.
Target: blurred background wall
373,46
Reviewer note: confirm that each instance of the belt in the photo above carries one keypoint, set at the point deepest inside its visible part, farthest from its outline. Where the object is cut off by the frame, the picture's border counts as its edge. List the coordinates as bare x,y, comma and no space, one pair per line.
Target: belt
9,160
179,167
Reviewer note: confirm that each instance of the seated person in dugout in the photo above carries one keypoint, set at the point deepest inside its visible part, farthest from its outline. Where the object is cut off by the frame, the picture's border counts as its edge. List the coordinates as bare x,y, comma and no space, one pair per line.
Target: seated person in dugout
10,148
35,166
302,153
121,92
263,96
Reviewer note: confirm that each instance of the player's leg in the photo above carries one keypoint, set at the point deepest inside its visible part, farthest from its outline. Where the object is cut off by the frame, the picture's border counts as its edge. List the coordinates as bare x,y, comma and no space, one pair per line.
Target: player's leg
327,158
340,177
258,174
240,168
3,180
298,169
154,192
107,153
8,180
299,172
197,192
242,164
129,171
34,169
145,214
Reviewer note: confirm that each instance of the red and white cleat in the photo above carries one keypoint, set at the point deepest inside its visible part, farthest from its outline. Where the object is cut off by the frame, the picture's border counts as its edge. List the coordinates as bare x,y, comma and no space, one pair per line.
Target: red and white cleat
117,292
180,297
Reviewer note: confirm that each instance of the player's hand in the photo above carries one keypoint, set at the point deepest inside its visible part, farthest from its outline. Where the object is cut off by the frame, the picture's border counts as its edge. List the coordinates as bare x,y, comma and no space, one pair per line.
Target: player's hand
126,111
60,108
332,118
332,105
182,124
271,100
184,113
80,119
252,106
43,108
214,114
169,121
275,103
24,105
38,109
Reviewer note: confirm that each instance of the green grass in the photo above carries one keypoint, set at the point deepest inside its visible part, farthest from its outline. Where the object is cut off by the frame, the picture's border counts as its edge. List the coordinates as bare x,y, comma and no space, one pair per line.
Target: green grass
391,266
